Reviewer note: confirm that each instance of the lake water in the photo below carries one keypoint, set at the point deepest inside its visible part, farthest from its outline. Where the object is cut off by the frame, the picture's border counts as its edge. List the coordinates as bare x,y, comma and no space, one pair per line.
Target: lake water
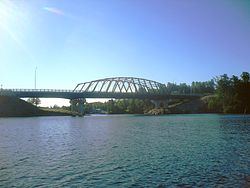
125,151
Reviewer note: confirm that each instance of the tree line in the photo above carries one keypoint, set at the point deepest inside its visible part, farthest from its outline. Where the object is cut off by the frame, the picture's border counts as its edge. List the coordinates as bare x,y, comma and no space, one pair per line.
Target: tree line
120,106
206,87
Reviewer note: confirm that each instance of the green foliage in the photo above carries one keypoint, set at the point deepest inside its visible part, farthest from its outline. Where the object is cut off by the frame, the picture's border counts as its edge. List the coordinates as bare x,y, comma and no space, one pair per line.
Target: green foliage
120,106
245,77
207,87
232,94
34,101
214,104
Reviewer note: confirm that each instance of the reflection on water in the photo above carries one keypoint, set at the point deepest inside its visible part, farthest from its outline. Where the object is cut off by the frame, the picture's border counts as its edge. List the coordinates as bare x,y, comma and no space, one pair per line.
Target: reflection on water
125,151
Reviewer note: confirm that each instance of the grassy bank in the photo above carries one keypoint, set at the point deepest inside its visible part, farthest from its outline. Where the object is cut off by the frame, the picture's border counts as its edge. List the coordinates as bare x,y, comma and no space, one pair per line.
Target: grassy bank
15,107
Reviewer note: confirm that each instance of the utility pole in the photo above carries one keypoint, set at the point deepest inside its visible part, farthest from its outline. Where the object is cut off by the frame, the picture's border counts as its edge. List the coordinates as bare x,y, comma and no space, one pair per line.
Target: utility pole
35,77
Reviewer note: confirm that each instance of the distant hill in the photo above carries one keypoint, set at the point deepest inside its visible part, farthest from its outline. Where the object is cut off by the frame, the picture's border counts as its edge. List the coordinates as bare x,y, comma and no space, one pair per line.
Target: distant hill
15,107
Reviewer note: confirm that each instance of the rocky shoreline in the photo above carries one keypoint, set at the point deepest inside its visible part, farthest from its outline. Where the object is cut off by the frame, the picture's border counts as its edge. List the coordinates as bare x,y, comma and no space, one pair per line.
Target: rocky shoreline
188,107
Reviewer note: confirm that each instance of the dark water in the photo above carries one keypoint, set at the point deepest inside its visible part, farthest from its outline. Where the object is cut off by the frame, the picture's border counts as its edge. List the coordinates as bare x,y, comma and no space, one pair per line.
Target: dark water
125,151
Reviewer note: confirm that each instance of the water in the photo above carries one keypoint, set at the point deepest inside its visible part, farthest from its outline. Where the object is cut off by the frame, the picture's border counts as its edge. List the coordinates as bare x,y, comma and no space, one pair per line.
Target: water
125,151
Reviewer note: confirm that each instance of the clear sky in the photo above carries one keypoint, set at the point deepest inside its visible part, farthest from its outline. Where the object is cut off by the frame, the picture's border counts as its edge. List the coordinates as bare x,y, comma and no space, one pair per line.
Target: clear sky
82,40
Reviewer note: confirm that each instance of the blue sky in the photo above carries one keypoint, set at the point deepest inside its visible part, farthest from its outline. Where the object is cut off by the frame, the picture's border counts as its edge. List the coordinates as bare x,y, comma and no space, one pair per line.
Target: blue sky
82,40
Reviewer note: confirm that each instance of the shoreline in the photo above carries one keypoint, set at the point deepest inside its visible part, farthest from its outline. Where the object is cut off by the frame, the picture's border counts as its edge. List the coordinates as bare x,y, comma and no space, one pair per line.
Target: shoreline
55,114
15,107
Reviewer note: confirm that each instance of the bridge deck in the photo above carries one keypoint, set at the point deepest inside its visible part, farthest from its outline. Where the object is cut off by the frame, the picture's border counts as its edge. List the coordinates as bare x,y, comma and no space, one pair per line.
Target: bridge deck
74,94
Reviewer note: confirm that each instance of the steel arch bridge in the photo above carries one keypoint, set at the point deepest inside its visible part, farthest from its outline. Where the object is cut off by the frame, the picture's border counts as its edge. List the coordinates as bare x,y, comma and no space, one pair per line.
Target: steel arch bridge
117,87
122,85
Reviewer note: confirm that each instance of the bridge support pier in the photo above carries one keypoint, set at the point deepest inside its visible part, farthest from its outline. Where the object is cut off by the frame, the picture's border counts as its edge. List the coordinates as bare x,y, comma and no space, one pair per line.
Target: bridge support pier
160,103
81,106
77,106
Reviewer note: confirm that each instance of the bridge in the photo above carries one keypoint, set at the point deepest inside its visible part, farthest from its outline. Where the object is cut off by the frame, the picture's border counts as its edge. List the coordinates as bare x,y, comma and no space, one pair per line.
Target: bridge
117,88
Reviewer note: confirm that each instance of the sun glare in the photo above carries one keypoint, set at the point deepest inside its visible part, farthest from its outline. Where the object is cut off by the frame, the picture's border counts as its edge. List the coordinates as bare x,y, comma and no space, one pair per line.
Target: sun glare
13,21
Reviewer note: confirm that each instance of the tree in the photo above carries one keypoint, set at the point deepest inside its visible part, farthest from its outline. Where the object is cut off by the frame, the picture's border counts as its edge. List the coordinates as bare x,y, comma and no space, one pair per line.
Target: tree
34,101
244,92
245,77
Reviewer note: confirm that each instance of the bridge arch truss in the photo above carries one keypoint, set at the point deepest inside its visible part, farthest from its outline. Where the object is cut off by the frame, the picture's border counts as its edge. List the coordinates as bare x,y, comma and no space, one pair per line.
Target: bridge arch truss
122,85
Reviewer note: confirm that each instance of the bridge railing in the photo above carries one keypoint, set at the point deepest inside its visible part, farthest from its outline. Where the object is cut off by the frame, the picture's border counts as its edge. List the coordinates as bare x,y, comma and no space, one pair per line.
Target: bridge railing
55,90
40,90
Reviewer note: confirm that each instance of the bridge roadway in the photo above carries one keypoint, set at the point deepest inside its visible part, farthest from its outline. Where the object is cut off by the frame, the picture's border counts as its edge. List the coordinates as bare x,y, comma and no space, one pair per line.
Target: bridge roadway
75,94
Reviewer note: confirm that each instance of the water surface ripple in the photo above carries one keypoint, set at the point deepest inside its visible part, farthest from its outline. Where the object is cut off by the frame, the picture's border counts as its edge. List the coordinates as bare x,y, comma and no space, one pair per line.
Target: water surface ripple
125,151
